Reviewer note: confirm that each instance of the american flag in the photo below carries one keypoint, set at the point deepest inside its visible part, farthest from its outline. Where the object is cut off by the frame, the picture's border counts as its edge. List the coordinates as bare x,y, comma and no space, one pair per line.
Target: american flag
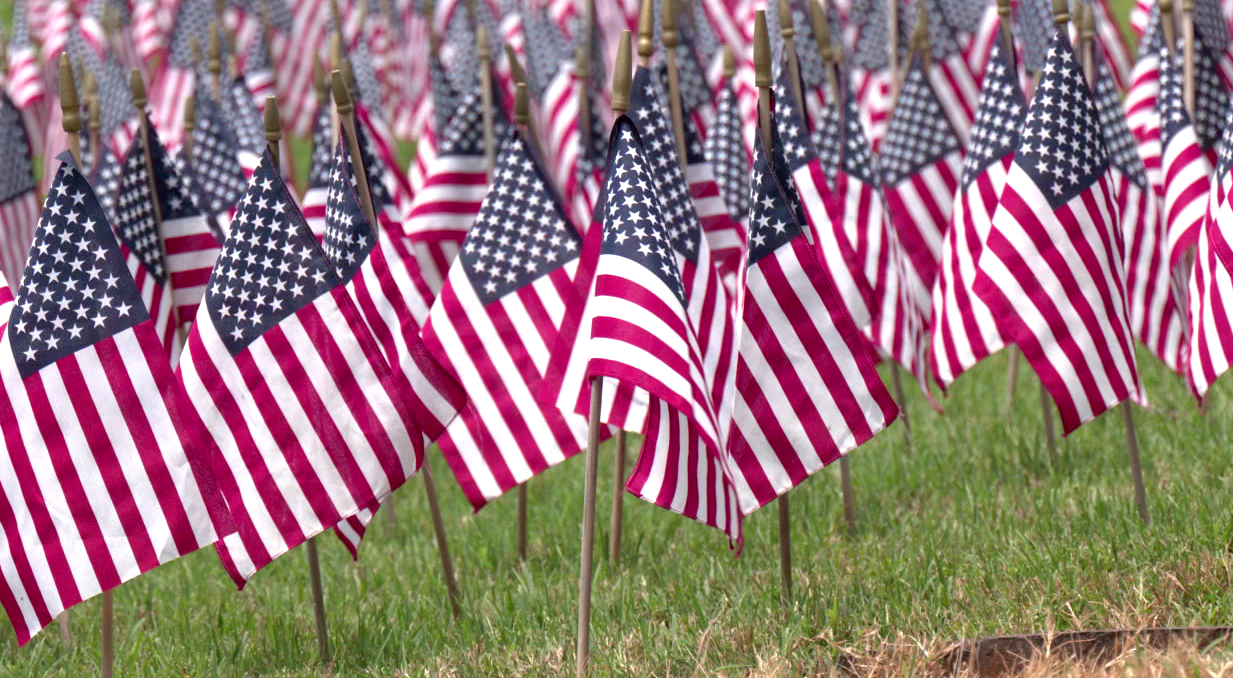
725,147
642,335
921,161
1155,318
1184,165
137,227
1210,348
188,242
24,81
102,477
245,119
19,204
856,207
955,83
1140,16
810,195
1052,269
179,75
563,145
432,118
457,181
296,51
807,390
390,186
386,294
320,171
217,179
1111,41
493,327
963,330
116,112
1141,101
291,385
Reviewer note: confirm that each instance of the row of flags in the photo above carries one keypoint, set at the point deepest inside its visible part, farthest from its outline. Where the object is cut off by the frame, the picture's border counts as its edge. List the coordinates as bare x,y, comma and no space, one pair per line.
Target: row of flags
200,352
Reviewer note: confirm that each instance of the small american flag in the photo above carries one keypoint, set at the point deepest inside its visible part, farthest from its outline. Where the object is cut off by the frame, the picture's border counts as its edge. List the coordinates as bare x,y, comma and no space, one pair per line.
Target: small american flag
1052,269
962,328
642,335
178,77
19,205
215,174
291,385
725,234
432,118
457,181
921,161
810,194
1155,318
320,171
245,119
1141,101
493,327
103,479
189,243
387,296
1184,165
725,146
1210,348
807,390
24,81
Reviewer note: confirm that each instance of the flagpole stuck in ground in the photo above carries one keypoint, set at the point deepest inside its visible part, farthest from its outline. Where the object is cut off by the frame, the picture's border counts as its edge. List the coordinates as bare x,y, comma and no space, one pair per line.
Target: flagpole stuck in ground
763,80
1012,351
70,109
273,135
522,118
346,108
622,82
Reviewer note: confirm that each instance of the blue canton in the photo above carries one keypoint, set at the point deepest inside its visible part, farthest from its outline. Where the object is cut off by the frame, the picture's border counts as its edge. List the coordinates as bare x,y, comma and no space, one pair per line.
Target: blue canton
521,232
1123,148
1170,104
1034,24
634,225
76,290
135,222
323,135
848,150
1001,110
1061,147
465,133
773,220
18,176
680,217
244,116
349,238
270,266
725,146
218,178
920,133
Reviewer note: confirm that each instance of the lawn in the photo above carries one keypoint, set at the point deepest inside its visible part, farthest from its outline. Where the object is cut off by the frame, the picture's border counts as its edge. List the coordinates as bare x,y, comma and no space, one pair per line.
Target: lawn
971,531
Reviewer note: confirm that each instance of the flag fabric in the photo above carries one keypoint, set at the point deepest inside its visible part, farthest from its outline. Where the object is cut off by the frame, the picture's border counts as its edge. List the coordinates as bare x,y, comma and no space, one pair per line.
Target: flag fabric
137,227
24,82
1111,42
385,294
921,161
1052,269
725,235
19,206
1209,351
856,207
1141,101
725,147
217,179
807,390
1184,166
493,327
642,335
180,76
1155,317
962,328
870,60
105,475
320,171
309,425
188,242
245,119
457,181
810,195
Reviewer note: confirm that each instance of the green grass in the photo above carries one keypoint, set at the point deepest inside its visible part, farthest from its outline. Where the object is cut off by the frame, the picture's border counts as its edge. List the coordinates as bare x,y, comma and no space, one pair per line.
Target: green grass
973,531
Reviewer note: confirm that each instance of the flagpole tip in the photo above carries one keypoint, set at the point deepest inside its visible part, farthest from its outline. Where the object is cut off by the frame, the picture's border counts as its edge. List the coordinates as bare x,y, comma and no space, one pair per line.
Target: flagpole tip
668,26
1188,5
582,64
95,110
215,50
190,115
321,83
1061,11
1166,6
622,75
522,105
336,50
646,30
273,121
729,61
1086,21
920,34
138,87
342,97
515,66
786,28
70,105
1004,9
762,50
481,43
821,27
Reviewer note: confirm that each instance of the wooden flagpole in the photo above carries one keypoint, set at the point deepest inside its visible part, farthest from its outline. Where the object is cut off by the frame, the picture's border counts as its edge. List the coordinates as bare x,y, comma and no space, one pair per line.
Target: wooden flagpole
1012,351
522,118
763,80
892,36
273,135
490,136
1168,25
346,110
94,119
1188,89
215,63
787,31
622,81
1085,21
668,34
70,109
107,670
190,125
